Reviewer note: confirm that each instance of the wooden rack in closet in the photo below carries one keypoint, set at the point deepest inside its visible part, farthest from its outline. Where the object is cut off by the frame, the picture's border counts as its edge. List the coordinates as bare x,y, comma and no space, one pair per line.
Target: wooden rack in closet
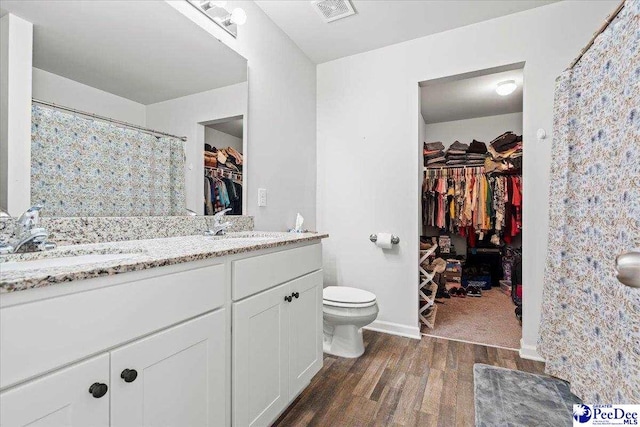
427,302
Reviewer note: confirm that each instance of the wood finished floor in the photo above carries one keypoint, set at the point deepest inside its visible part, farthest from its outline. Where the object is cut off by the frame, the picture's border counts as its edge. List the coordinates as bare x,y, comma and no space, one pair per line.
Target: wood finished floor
399,382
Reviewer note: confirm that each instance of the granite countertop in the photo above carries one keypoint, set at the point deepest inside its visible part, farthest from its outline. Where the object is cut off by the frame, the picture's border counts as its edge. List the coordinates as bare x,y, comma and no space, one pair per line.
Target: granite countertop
131,255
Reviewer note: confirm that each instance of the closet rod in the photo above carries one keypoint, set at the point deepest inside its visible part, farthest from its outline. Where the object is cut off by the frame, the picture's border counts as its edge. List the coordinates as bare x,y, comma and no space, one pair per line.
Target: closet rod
218,172
597,33
427,168
107,119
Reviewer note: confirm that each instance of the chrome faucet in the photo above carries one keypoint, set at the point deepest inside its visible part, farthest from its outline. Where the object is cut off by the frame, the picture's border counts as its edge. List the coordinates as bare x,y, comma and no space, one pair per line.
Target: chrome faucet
27,234
219,228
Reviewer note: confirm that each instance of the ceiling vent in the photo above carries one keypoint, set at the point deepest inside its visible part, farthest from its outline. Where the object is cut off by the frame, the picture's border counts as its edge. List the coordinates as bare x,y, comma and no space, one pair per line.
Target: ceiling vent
332,10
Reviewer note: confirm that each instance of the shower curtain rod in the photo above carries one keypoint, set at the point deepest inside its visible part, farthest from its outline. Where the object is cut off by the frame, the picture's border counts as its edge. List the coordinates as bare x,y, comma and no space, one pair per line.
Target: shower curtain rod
107,119
604,26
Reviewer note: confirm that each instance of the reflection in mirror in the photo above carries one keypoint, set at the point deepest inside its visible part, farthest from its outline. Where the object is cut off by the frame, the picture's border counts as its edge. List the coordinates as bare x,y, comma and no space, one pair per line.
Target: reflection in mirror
223,164
124,96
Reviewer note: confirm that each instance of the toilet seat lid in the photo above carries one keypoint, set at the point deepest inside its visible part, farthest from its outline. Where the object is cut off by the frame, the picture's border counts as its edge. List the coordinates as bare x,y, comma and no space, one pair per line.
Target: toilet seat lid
347,295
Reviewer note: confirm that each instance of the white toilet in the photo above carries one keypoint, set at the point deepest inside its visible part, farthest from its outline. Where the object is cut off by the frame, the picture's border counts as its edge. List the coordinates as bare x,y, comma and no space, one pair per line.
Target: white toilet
345,311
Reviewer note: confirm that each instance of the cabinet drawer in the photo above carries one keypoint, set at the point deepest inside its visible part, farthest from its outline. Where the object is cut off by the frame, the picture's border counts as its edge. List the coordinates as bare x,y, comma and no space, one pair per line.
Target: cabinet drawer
41,336
253,275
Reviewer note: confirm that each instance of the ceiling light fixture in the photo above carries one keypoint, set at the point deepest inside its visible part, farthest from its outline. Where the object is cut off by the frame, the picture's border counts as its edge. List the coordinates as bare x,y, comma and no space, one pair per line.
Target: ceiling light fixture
506,87
215,11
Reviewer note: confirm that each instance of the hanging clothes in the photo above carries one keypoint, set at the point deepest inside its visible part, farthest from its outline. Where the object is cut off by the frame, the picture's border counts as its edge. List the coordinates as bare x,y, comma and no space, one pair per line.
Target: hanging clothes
469,202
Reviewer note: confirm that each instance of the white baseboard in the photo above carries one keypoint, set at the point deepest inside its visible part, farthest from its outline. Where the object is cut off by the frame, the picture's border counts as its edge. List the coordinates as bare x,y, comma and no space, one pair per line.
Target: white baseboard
395,329
530,352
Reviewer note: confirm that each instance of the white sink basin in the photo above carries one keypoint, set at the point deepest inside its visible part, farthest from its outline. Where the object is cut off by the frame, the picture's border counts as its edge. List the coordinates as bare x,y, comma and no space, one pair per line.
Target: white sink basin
66,261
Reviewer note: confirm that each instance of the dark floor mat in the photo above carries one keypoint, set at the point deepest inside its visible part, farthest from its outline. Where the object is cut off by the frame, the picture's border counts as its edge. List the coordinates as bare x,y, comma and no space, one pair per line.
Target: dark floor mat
504,397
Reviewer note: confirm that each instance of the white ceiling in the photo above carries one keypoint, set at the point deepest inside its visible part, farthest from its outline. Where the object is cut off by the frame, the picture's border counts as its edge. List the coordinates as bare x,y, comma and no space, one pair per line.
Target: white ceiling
469,96
145,51
381,23
230,127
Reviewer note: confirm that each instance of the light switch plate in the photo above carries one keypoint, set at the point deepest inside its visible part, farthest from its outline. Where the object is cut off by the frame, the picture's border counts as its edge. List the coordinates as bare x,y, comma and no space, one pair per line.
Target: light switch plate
262,197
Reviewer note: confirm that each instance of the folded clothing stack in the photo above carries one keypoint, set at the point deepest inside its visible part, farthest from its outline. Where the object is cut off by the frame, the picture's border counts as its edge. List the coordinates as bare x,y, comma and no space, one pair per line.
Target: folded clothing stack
506,142
507,149
210,159
228,158
434,154
476,153
456,154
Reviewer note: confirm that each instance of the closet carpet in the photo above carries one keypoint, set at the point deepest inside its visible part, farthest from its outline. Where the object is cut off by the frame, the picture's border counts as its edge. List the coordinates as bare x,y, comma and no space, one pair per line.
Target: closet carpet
399,382
488,320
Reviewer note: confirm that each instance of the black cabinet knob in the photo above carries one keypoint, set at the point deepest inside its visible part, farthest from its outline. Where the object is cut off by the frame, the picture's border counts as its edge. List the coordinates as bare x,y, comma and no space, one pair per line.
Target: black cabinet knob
98,390
295,295
129,375
288,298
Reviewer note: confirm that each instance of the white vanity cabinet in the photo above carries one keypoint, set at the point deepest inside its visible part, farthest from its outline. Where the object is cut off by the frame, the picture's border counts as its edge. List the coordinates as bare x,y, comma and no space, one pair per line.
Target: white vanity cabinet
167,327
277,339
206,343
175,377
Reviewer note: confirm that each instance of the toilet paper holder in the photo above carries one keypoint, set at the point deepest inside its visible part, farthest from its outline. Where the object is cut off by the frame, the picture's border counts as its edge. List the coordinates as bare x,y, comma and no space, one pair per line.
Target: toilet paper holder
394,239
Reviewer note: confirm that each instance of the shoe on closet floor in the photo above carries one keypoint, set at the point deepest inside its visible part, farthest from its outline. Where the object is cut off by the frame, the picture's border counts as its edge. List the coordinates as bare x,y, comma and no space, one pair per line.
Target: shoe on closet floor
443,294
425,245
474,291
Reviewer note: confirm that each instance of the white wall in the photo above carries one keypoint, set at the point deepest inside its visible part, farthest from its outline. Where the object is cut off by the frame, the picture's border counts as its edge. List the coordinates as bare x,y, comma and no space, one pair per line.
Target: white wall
16,45
182,117
281,133
369,164
69,93
222,140
483,129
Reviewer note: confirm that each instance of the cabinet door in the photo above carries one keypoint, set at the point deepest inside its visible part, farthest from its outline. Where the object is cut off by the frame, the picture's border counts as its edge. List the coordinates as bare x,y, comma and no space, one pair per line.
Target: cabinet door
260,357
305,331
61,398
179,377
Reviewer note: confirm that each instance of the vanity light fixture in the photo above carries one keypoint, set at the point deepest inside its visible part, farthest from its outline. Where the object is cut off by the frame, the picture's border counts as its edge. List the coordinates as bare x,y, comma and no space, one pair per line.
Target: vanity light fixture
206,5
238,17
216,11
506,87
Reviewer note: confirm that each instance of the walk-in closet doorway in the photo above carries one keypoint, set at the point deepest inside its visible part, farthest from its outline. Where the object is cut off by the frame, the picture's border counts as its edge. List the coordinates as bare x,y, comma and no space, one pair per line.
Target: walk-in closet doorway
470,265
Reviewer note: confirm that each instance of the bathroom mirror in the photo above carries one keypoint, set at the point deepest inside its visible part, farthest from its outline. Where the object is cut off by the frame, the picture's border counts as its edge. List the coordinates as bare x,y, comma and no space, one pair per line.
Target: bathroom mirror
122,99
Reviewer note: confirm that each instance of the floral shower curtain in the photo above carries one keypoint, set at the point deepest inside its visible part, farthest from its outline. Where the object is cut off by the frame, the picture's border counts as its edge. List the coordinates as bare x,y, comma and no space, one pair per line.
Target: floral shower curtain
590,327
86,167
